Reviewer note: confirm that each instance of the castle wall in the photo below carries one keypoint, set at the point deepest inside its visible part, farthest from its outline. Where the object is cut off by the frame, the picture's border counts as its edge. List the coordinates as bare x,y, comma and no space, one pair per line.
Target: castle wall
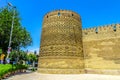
66,48
101,47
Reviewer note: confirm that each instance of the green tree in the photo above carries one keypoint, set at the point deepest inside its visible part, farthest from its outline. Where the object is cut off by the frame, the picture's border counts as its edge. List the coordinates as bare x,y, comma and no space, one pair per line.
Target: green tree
0,51
20,38
32,58
18,56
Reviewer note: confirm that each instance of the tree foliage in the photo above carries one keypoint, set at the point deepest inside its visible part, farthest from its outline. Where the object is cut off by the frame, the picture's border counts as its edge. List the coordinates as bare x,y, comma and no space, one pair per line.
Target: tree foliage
20,38
0,51
19,56
32,57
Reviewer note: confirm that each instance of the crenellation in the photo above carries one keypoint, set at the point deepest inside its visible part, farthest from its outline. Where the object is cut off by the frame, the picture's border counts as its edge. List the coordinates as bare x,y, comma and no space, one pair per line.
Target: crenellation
59,13
102,29
89,31
117,27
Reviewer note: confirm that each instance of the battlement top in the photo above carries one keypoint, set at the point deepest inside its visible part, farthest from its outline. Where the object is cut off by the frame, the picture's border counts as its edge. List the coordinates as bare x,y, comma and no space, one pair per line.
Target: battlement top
99,29
66,13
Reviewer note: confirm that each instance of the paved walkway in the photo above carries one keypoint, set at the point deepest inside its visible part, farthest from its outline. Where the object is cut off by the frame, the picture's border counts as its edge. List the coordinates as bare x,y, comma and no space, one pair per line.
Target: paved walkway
38,76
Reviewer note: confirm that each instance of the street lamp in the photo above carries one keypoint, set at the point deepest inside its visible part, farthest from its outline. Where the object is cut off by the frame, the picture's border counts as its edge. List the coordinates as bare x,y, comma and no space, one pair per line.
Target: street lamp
12,25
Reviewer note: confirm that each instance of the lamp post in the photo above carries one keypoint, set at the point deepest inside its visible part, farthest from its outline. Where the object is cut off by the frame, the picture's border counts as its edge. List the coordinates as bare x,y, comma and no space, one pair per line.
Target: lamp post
10,39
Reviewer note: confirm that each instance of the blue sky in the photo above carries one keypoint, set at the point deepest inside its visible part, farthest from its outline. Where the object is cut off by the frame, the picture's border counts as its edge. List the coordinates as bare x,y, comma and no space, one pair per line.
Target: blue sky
92,12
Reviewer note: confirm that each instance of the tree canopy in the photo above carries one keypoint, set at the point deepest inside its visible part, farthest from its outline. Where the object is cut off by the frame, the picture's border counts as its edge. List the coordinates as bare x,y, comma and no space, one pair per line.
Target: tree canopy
20,36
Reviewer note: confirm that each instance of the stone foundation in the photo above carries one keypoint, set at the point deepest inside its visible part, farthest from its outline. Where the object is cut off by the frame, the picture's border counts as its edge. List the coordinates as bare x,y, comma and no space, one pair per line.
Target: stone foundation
61,71
102,71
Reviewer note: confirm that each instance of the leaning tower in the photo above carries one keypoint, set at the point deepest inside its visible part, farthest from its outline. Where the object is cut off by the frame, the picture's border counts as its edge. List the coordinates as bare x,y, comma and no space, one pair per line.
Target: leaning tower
61,49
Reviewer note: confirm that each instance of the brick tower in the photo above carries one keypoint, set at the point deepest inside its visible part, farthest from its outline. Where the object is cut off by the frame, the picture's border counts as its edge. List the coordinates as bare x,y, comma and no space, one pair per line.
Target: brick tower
61,49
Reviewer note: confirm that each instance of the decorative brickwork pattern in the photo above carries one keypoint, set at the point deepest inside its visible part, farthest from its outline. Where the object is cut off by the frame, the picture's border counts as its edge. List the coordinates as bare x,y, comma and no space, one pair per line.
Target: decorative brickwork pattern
61,42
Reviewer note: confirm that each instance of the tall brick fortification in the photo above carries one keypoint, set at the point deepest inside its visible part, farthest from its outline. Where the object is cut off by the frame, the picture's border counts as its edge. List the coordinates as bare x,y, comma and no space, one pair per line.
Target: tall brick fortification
101,47
61,49
66,48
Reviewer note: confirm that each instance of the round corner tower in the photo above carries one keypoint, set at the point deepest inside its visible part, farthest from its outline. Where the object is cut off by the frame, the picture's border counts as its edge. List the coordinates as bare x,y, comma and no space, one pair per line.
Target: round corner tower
61,49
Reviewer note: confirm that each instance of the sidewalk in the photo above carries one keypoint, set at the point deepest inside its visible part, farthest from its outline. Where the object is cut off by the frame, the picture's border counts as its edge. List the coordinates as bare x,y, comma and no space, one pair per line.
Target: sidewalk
38,76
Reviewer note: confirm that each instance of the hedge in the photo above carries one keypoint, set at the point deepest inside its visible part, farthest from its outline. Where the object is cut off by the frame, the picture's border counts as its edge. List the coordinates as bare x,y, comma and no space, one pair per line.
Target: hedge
6,68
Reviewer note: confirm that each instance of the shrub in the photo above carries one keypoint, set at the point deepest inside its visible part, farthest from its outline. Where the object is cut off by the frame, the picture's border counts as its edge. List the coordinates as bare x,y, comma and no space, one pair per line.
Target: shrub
4,69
